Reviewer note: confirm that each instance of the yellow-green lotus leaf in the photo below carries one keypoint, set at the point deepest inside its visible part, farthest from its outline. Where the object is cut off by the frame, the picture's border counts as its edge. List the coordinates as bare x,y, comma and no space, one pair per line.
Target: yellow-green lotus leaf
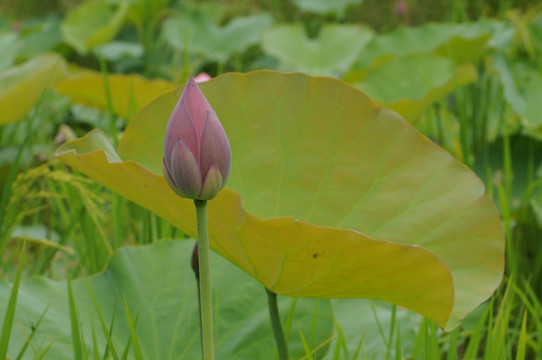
92,23
22,86
128,93
330,195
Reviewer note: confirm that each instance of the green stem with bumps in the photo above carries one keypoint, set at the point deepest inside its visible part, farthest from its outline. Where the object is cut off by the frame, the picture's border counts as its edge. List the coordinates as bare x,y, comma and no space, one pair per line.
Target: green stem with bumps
206,309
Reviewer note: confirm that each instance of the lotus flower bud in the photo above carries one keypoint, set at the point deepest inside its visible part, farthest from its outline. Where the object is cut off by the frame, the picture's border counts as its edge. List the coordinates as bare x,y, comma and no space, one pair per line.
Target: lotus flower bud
197,153
194,260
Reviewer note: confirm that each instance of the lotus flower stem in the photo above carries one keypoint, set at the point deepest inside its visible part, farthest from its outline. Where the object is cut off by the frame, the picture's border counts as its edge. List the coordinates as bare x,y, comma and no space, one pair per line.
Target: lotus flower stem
206,309
194,263
280,339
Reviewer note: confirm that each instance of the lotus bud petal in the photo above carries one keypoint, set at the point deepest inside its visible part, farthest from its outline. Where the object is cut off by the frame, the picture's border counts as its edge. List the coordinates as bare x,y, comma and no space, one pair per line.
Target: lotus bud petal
197,153
212,184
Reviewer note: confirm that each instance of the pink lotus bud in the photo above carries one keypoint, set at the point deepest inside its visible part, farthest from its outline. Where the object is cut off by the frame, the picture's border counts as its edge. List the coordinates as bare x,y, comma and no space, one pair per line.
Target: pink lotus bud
202,77
197,154
401,8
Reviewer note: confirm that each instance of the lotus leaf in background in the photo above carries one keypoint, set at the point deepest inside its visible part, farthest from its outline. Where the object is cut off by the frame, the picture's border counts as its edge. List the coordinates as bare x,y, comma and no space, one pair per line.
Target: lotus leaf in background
411,84
212,11
92,23
39,37
522,88
116,51
340,197
536,203
526,172
142,11
22,86
215,43
331,53
128,92
462,43
325,7
535,31
532,112
162,295
8,48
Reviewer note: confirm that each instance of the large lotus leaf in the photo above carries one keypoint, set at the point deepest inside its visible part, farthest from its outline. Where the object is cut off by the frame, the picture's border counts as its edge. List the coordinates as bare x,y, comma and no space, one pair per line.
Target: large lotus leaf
218,43
22,86
92,23
331,53
374,209
128,93
160,290
462,43
411,84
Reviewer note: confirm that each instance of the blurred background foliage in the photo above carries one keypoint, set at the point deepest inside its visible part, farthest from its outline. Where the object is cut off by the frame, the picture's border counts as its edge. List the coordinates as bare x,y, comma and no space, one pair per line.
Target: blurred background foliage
468,74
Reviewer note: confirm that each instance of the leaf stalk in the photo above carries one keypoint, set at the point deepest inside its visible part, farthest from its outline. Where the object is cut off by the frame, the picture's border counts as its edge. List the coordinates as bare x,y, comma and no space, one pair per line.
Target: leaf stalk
278,332
206,310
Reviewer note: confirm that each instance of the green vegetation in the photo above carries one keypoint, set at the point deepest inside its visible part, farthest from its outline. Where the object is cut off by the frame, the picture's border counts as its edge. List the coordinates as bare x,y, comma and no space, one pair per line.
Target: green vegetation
89,268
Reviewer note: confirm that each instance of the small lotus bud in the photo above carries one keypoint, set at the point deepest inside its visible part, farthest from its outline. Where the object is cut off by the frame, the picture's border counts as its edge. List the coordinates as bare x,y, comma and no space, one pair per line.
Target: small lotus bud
401,8
194,260
202,77
197,153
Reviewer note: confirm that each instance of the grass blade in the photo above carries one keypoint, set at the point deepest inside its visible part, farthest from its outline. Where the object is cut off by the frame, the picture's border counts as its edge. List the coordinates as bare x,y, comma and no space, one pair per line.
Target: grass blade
34,330
306,347
107,333
522,342
137,349
74,321
10,310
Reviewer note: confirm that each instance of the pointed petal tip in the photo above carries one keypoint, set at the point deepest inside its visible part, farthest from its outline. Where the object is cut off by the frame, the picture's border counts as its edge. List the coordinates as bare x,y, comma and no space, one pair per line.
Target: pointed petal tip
184,170
212,184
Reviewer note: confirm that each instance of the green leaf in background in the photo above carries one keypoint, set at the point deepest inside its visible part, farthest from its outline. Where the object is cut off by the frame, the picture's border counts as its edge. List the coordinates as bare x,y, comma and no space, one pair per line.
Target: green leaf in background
331,53
160,289
39,36
522,88
411,84
536,201
323,7
142,11
532,111
462,43
8,49
374,209
92,23
128,92
116,50
201,36
506,77
535,30
522,146
22,86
